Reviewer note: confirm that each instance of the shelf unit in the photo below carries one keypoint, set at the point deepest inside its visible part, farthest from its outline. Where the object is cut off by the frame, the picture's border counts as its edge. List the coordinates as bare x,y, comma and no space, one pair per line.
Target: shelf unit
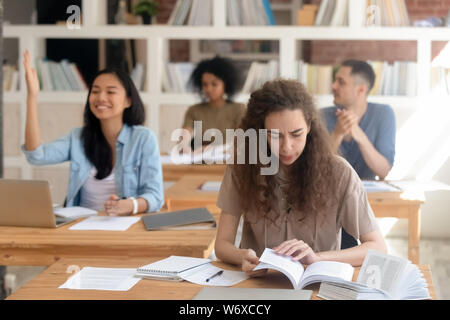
31,37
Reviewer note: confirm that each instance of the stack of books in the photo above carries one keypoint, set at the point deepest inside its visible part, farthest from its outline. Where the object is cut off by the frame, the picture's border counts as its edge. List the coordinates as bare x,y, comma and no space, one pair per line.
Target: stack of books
10,78
249,13
382,277
59,76
192,13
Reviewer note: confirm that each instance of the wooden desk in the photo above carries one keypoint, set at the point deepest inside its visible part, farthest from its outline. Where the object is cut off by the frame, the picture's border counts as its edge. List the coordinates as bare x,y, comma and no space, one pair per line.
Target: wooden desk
399,205
174,172
45,286
44,246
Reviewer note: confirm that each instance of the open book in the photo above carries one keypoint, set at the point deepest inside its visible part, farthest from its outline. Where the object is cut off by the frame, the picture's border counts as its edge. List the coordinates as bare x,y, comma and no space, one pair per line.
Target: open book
382,277
300,277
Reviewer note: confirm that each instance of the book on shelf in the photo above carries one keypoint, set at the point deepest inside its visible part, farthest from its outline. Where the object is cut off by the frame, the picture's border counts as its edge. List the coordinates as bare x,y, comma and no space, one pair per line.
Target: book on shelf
59,76
381,277
398,78
301,277
192,13
440,80
259,73
10,78
358,13
250,13
138,76
176,77
391,13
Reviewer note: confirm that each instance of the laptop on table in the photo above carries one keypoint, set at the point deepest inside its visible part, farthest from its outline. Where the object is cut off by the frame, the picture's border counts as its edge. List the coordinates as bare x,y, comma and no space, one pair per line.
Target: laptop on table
28,203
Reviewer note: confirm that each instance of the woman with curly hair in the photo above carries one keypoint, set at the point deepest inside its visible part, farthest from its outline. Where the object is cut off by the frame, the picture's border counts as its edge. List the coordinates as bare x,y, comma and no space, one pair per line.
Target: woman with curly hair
301,210
216,80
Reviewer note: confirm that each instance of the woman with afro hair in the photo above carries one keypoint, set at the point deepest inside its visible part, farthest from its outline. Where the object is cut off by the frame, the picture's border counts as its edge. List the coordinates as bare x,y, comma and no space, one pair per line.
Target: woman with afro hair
216,80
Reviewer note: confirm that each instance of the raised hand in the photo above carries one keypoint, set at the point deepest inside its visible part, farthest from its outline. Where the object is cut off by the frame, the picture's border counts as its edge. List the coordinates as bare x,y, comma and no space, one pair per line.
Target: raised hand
30,75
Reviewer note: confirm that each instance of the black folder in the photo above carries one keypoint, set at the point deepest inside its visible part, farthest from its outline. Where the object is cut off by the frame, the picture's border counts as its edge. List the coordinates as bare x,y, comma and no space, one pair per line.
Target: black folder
198,218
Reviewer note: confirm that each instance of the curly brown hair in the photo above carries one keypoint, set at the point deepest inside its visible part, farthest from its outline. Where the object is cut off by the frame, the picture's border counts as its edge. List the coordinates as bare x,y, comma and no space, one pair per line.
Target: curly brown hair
311,172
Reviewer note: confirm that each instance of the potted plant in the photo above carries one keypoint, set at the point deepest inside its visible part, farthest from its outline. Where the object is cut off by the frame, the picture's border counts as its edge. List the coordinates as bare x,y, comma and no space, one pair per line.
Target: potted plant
146,9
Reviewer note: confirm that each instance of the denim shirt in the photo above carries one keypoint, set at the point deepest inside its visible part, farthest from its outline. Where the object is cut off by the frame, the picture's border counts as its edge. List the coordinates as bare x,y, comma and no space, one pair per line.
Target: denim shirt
137,170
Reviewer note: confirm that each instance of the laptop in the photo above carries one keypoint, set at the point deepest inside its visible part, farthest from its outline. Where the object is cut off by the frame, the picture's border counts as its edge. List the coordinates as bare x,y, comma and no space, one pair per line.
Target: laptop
28,203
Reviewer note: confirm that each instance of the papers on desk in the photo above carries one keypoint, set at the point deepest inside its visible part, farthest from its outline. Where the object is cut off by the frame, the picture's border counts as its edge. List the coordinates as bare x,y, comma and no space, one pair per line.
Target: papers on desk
90,278
74,212
379,186
200,274
105,223
211,186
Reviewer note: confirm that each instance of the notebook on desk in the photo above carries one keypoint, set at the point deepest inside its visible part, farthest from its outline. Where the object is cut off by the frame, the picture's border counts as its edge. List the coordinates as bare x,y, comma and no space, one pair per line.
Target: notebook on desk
170,268
198,218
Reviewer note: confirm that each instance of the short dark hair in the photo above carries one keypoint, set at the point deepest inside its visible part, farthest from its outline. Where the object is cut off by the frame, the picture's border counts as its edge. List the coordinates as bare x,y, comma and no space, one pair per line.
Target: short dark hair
223,69
362,69
96,147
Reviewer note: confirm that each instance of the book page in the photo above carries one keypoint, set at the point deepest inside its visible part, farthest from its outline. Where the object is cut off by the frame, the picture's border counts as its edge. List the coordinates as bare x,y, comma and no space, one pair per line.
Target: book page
382,271
292,269
327,270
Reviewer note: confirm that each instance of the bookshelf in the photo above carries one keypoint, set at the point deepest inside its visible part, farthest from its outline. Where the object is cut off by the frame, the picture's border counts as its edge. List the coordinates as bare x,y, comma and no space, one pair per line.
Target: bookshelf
157,38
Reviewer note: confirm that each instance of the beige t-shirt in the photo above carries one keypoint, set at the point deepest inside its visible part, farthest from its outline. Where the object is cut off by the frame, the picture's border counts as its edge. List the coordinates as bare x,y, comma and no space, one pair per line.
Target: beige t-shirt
226,117
321,231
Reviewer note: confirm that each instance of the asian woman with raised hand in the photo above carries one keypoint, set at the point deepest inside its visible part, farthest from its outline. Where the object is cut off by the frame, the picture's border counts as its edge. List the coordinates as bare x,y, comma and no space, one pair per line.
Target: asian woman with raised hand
114,160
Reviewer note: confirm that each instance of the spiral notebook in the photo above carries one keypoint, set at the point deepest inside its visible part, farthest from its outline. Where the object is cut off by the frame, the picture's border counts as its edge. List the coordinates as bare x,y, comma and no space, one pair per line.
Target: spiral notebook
170,268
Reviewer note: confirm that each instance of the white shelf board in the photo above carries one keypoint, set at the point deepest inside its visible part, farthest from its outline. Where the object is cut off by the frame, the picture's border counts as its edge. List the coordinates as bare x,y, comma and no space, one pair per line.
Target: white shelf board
242,56
231,32
186,98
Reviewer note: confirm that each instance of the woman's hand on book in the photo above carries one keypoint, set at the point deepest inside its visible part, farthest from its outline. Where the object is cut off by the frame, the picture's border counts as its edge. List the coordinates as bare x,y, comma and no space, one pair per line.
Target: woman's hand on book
249,261
299,250
30,75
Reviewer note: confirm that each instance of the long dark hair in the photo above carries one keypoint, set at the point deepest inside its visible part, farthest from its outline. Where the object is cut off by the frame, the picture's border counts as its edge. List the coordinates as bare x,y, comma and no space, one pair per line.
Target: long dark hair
96,147
311,173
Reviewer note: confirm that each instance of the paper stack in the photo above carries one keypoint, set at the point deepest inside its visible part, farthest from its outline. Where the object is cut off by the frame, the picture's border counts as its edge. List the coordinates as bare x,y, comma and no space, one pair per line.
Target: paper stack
382,277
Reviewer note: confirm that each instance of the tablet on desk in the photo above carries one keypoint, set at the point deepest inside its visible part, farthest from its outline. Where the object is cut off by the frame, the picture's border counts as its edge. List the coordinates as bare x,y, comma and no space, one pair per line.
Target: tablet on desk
199,218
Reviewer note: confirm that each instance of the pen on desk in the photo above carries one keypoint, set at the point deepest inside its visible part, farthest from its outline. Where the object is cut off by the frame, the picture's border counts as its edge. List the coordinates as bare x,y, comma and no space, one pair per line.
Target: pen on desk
215,275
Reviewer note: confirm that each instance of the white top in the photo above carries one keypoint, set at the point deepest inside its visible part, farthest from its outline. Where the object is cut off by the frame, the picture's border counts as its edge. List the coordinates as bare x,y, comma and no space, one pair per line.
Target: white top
95,193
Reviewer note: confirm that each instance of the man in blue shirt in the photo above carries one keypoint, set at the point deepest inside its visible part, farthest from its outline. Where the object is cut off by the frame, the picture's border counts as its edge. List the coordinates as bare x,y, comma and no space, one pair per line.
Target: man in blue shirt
363,132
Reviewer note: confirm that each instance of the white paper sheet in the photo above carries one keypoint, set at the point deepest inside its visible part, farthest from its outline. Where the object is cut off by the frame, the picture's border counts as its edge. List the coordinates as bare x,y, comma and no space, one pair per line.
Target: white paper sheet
211,186
226,279
74,212
105,223
111,279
